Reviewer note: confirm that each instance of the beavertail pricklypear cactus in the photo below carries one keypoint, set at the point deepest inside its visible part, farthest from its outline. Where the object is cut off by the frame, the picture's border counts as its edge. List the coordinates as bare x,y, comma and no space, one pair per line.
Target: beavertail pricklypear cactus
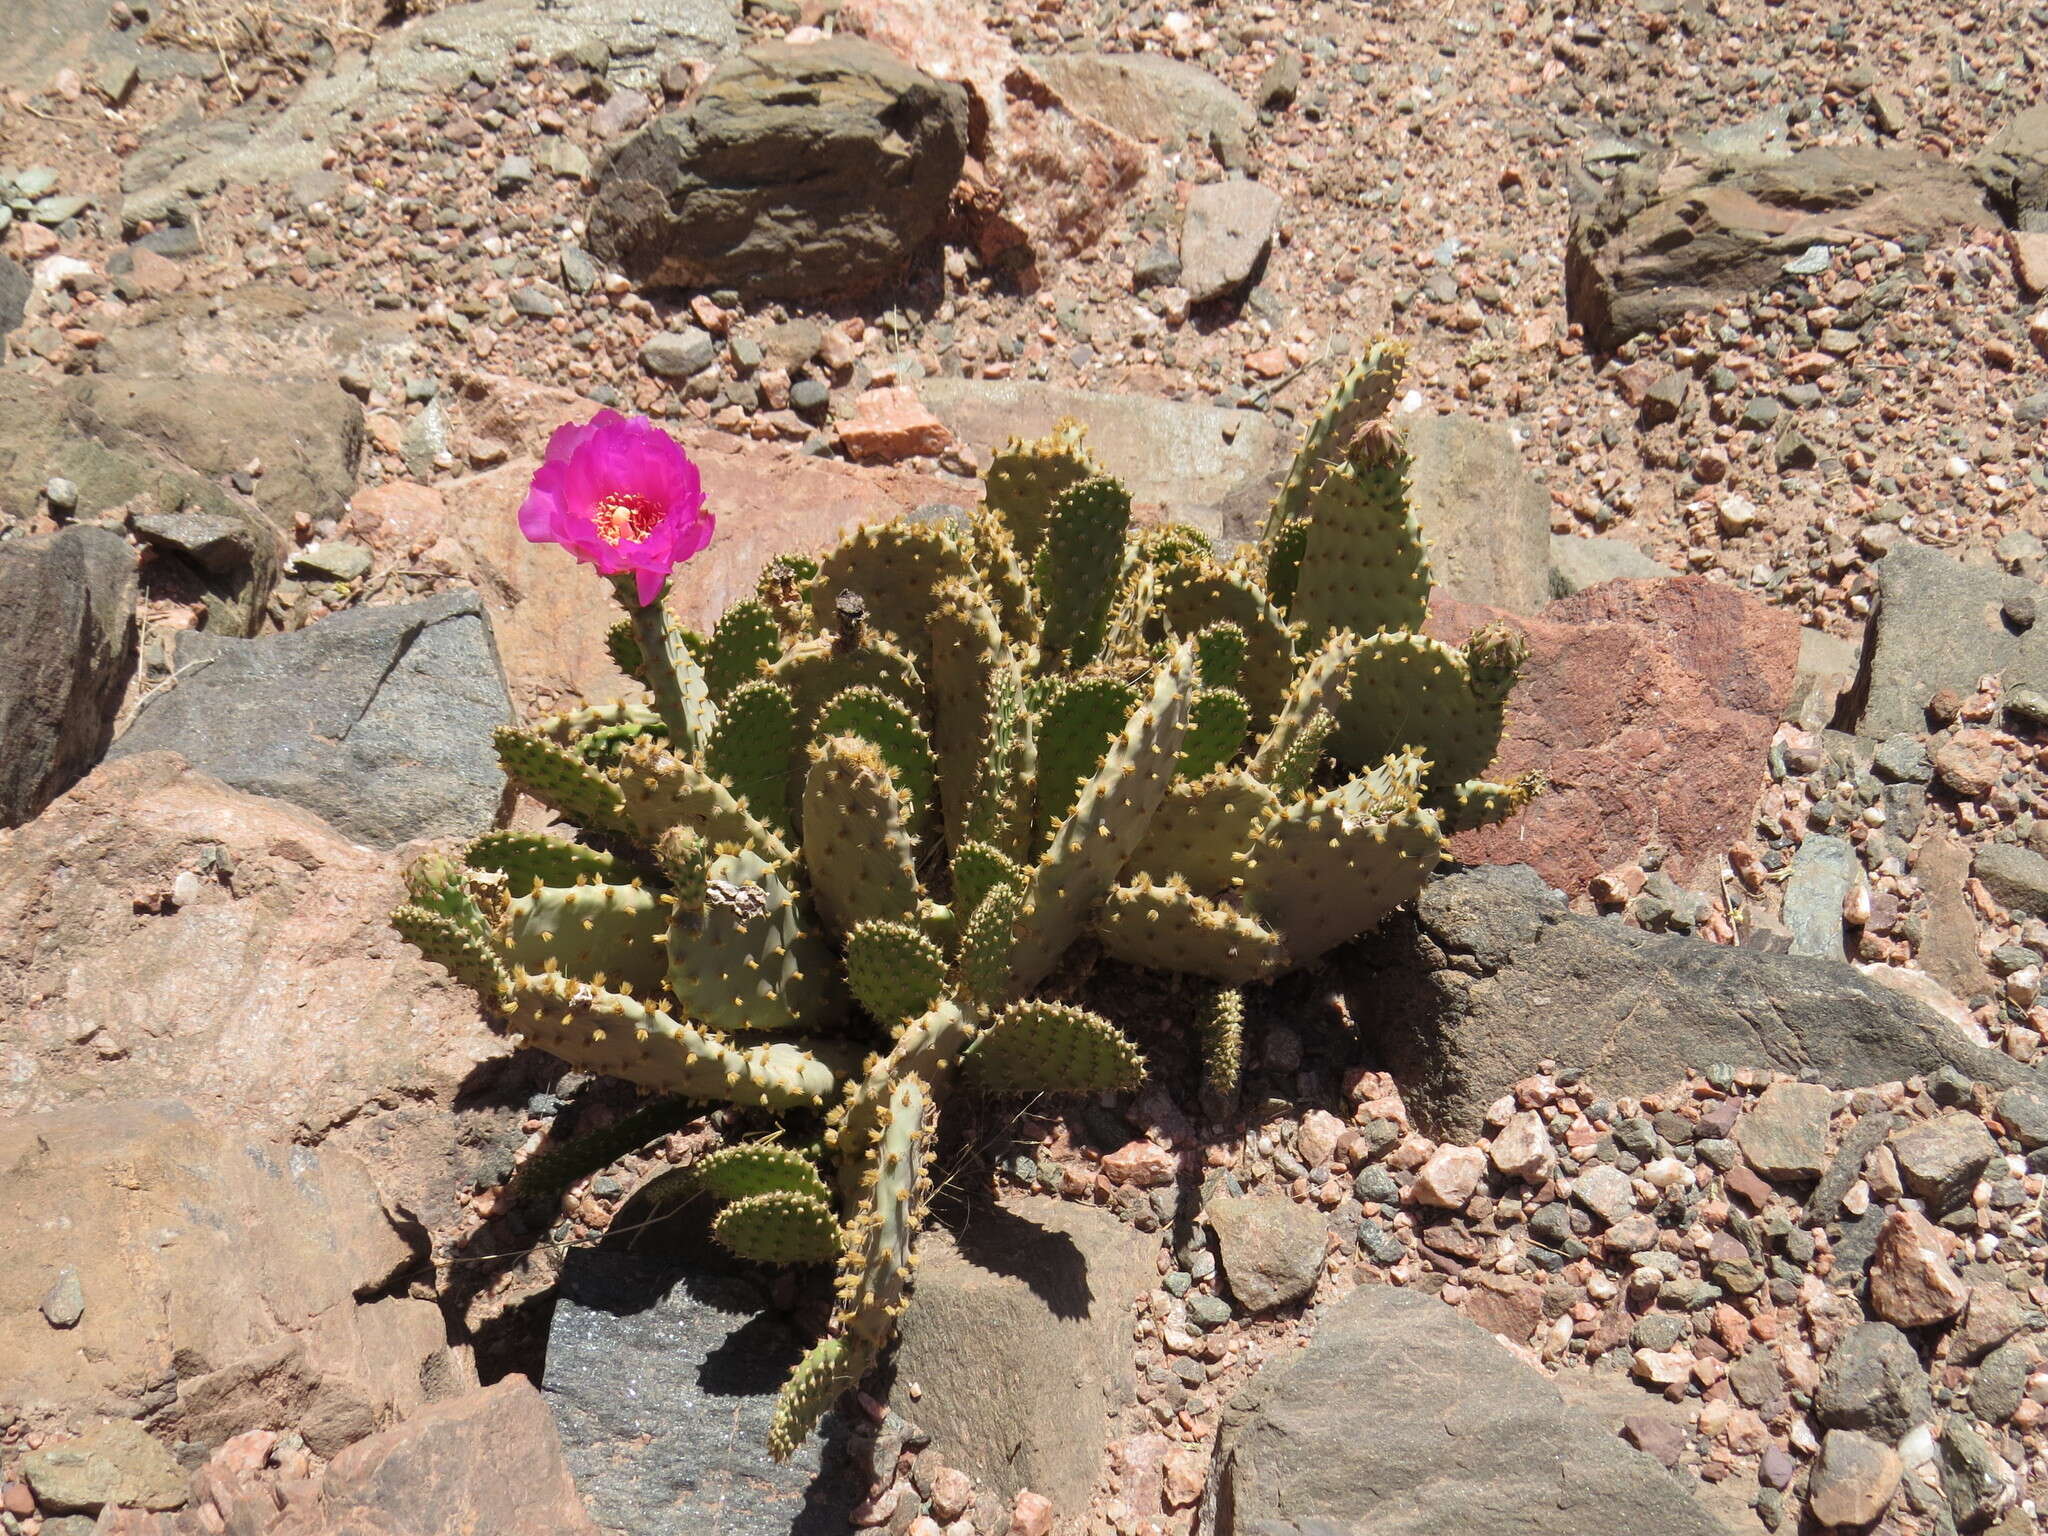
827,867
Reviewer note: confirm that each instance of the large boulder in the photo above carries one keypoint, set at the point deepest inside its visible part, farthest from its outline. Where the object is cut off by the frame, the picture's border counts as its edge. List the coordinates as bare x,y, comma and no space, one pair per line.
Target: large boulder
1684,232
1020,1339
377,719
1486,522
796,171
215,1282
162,935
1650,706
1940,624
1402,1418
1491,975
67,650
2013,167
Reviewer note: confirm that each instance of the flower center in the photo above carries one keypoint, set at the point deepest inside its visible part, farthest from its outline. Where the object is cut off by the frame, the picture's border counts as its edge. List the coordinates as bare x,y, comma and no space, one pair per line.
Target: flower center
625,515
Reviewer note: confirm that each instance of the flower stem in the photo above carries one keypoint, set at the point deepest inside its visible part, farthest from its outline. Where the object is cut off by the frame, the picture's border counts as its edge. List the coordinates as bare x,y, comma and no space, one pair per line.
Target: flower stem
680,697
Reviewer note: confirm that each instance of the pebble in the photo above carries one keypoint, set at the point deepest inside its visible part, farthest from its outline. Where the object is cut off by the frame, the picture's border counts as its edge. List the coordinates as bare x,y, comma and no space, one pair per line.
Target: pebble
1783,1134
1853,1480
1605,1191
1911,1283
1449,1178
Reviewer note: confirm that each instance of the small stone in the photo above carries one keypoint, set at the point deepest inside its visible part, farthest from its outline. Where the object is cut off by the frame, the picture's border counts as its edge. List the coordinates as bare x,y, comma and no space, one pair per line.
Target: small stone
2001,1383
952,1493
1606,1192
1784,1134
1522,1149
2023,1112
1144,1164
116,1462
1665,398
1874,1381
808,396
1942,1159
1993,1314
333,560
891,424
63,1303
678,354
515,174
1157,266
1655,1436
1903,760
2016,877
534,303
1911,1284
1969,764
1316,1140
1853,1480
1031,1515
1450,1176
1978,1481
1281,82
580,273
1270,1248
61,494
1793,451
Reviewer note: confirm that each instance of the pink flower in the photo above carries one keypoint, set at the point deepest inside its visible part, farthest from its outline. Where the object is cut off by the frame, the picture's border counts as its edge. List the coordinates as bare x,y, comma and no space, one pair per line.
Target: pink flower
617,493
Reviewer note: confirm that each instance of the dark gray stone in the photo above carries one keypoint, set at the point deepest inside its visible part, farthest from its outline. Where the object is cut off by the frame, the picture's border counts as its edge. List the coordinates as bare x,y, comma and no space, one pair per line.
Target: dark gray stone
1976,1478
1938,625
2023,1111
1403,1417
67,650
662,1373
795,172
2000,1383
1873,1381
1491,974
1823,871
678,354
14,292
1225,233
2017,876
1157,266
378,719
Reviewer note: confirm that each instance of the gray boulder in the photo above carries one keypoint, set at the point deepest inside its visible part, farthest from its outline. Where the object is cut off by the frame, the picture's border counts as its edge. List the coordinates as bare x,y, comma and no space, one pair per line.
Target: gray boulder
67,650
2013,167
1491,974
1403,1419
1225,233
1576,563
797,171
1672,234
377,719
1486,521
1942,624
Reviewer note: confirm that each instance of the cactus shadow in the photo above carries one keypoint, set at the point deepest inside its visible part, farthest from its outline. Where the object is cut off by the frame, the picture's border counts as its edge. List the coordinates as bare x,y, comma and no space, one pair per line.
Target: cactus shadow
1050,1263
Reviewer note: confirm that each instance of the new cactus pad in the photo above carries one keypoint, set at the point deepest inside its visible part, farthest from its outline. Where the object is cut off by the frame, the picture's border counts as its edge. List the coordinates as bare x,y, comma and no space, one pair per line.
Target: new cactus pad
825,868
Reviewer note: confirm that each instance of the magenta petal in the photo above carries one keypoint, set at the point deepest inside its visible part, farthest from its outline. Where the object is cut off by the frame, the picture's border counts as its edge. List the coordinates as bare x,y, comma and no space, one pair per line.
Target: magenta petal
648,584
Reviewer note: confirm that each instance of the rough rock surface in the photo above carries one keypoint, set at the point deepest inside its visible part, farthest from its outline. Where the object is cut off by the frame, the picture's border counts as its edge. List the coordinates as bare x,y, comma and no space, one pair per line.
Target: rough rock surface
14,290
1271,1250
67,649
490,1460
2013,167
662,1372
1402,1418
1686,232
1576,563
1648,704
1486,522
1148,96
1940,624
229,1282
795,171
1018,1340
1492,975
163,935
1226,231
377,719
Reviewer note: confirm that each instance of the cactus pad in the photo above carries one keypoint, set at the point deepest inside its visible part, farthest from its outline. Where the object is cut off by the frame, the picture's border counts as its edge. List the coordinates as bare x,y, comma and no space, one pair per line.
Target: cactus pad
896,972
1166,927
779,1228
1052,1048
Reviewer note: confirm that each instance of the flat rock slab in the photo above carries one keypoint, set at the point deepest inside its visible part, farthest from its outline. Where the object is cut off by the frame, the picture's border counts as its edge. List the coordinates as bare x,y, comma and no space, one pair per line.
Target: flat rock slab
1147,95
1019,1336
1487,524
663,1375
1195,463
1942,624
378,720
1403,1419
1492,974
67,650
1650,706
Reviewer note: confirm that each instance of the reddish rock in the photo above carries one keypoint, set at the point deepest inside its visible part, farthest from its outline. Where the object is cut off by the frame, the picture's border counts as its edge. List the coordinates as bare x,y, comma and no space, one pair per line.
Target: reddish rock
1143,1163
1650,706
152,275
489,1461
891,424
1970,763
1031,1515
1503,1304
2029,259
1911,1284
1449,1177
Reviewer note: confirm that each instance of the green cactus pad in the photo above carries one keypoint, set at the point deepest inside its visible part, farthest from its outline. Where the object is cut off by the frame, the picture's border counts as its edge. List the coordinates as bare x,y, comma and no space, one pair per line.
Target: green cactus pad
783,586
896,569
571,726
818,670
989,938
612,936
599,1031
1283,564
746,639
856,842
891,729
1025,479
1074,727
1217,720
1319,687
1323,872
1004,578
1480,802
977,869
441,883
1294,770
1362,395
779,1228
1408,690
1219,655
970,672
1079,569
876,1261
1219,1033
1173,543
757,1168
751,750
1202,828
458,948
1039,1047
1364,568
831,1368
896,971
1166,927
625,651
670,669
662,790
559,779
751,957
1191,597
928,1048
526,857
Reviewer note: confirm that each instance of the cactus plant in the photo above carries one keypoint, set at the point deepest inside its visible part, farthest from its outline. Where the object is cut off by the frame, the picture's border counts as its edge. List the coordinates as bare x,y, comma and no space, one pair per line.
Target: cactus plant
829,865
